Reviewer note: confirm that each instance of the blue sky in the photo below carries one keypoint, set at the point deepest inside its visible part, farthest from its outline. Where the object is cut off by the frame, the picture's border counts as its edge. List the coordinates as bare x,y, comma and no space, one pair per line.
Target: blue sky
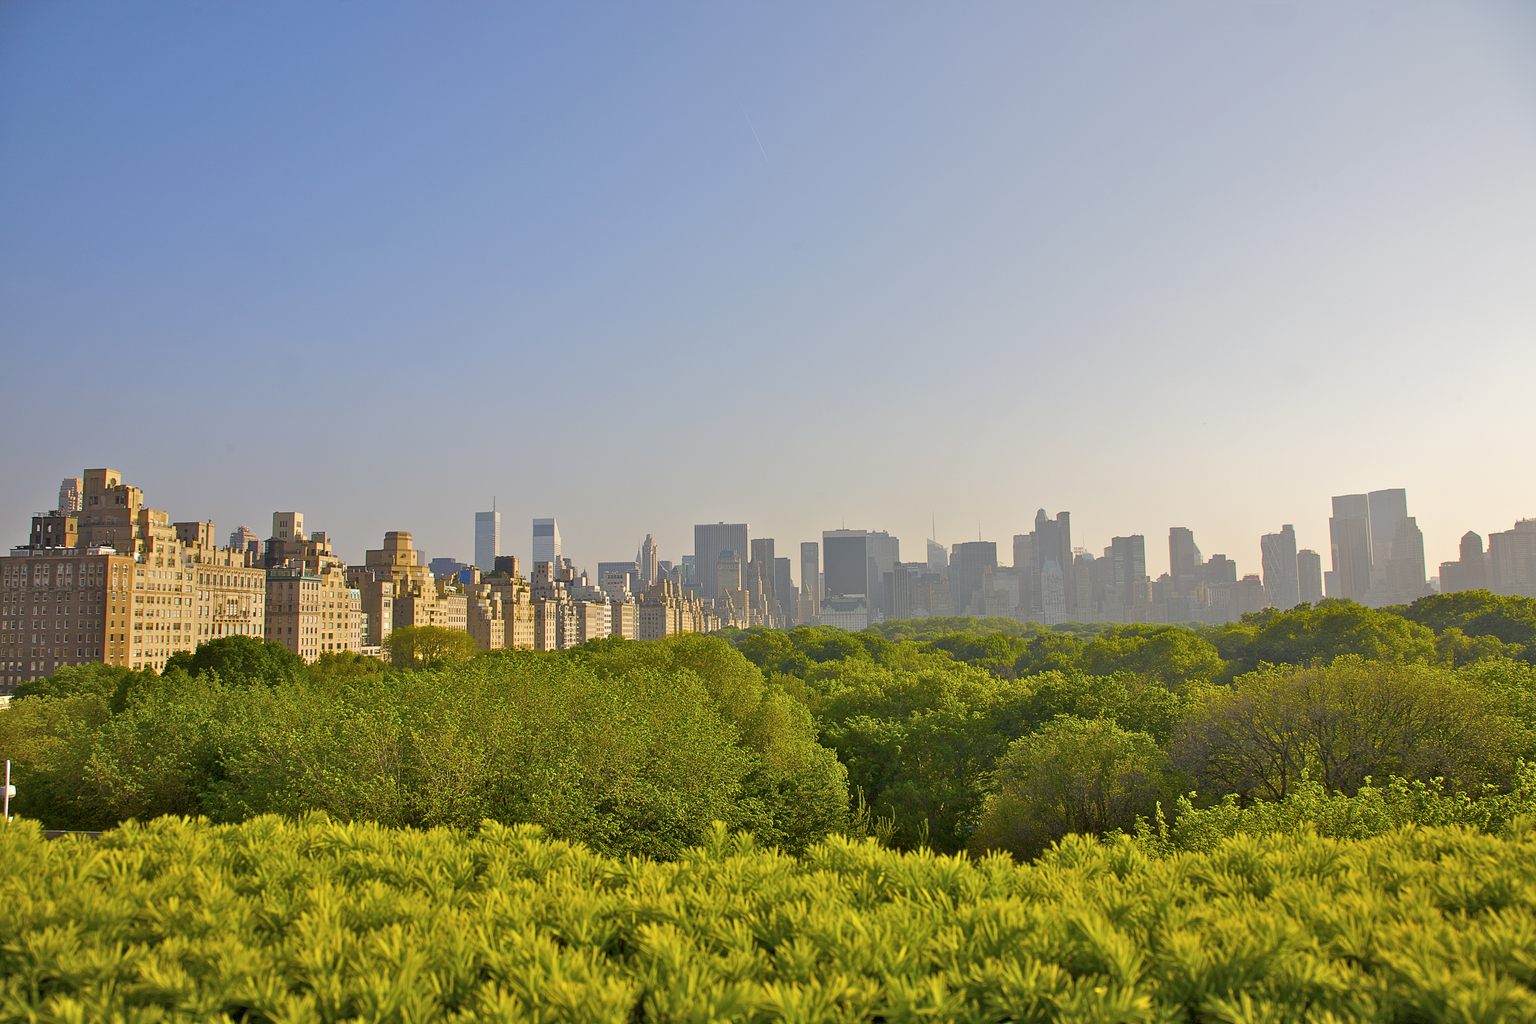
642,266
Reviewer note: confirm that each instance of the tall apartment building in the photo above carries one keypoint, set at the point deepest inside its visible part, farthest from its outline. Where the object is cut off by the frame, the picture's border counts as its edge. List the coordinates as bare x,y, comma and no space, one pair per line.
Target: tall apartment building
313,605
313,612
71,495
487,539
1277,551
112,581
67,606
665,610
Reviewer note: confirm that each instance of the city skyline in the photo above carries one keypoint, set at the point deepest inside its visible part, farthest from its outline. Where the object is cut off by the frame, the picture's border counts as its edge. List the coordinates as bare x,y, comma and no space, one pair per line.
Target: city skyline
1379,514
1205,266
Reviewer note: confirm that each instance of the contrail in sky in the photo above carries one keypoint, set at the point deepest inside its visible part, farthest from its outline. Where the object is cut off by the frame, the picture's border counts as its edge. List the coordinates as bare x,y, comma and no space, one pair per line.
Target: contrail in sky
754,134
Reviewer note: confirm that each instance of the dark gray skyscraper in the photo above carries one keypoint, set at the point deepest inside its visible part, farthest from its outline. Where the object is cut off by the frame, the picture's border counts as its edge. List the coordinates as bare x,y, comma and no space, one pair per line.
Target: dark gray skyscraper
846,568
1277,552
709,540
966,570
1129,556
1183,560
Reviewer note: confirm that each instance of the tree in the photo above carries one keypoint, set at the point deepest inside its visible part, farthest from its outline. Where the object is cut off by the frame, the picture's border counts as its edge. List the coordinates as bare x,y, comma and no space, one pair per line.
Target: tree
241,661
414,646
1346,722
1478,614
1316,636
1169,654
1075,775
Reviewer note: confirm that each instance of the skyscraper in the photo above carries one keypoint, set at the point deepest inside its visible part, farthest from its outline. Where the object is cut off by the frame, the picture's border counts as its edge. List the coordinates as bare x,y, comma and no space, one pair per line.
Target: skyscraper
1183,560
969,563
1387,508
847,563
709,540
70,495
1470,572
1277,552
784,589
810,573
648,562
1309,576
883,552
546,541
487,539
1129,561
938,558
1349,537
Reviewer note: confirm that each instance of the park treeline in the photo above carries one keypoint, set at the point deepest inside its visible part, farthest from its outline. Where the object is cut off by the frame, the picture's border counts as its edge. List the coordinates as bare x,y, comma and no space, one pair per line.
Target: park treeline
951,734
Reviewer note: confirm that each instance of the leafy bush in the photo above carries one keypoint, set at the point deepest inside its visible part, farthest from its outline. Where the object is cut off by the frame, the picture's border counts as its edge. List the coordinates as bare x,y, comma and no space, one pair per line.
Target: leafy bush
316,921
1371,811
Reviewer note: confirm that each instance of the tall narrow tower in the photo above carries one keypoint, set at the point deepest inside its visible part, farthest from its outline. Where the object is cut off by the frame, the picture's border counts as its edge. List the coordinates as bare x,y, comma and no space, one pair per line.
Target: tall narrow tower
487,538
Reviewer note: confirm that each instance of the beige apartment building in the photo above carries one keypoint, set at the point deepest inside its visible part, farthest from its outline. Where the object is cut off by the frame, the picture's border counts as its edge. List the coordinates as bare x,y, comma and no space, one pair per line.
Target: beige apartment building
312,607
64,606
313,613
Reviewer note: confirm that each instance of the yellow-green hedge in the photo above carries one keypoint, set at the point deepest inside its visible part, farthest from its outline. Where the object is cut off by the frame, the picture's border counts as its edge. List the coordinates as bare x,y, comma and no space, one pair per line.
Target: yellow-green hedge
311,920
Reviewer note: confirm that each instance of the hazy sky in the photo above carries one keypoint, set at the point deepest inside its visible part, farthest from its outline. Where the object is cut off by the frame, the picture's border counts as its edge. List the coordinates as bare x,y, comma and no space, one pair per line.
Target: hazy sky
639,266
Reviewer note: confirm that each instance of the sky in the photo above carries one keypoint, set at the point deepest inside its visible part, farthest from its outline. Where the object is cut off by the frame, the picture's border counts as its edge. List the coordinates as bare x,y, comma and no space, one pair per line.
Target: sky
904,267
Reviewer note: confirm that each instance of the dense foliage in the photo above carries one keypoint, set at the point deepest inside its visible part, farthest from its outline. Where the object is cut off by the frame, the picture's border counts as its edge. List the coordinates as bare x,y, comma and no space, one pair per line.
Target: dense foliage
308,920
636,749
954,734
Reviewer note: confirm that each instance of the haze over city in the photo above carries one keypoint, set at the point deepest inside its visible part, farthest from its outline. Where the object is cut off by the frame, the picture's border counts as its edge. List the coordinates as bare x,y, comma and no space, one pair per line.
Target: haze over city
882,267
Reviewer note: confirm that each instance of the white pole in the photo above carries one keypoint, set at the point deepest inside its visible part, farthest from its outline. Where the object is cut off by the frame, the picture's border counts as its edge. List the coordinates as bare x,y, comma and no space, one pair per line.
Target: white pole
6,813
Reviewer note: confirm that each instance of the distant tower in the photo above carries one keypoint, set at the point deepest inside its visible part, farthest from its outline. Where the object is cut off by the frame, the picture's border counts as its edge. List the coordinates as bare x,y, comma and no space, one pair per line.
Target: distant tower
1277,552
546,541
69,495
810,573
487,538
243,538
1349,536
648,562
1309,576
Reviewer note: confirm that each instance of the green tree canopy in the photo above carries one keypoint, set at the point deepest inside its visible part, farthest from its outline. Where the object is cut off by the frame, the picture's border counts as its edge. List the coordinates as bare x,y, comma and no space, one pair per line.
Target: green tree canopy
1346,722
411,646
1478,613
241,661
1171,655
1074,775
1316,636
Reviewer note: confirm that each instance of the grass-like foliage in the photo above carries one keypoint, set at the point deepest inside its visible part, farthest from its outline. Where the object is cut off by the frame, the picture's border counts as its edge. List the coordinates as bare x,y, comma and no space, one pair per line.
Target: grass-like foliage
313,920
